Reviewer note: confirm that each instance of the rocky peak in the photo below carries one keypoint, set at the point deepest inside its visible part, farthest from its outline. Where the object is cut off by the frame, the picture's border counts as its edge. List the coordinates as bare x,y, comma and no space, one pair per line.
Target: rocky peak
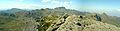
59,19
80,23
60,8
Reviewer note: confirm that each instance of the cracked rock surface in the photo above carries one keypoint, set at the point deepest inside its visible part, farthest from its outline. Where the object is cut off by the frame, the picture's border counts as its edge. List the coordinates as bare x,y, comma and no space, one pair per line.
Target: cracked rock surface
80,23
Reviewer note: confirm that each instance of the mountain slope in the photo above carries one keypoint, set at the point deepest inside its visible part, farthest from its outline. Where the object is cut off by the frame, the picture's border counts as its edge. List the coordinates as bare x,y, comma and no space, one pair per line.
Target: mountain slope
57,19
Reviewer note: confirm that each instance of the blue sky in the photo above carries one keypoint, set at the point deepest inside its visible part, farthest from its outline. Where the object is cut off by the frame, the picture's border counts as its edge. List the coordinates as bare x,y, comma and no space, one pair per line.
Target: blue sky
72,4
33,4
110,4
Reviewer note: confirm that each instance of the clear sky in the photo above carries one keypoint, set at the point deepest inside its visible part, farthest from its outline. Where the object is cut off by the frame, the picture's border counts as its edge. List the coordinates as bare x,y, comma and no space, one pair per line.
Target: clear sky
33,4
107,4
74,4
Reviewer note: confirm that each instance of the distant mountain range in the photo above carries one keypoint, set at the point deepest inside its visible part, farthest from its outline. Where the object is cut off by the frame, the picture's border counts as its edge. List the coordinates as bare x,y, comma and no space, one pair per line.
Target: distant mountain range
45,19
108,12
111,12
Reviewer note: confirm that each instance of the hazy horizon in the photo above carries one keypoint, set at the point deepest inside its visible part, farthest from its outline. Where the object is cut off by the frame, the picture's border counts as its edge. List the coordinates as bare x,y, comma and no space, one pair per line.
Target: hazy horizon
111,7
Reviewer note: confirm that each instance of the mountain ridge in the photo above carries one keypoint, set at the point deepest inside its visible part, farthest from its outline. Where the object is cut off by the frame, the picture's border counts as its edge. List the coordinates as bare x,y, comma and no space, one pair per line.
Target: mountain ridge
57,20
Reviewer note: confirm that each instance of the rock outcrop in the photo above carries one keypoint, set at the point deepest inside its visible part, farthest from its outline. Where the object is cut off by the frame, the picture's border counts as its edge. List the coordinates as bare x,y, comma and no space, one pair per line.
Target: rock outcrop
80,23
57,19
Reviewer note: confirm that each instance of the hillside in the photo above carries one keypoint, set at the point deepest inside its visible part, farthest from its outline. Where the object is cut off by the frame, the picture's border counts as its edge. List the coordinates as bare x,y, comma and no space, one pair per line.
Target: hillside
57,19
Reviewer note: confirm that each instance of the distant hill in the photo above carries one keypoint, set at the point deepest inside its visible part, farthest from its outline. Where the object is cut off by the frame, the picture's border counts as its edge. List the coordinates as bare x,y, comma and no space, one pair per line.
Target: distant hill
59,19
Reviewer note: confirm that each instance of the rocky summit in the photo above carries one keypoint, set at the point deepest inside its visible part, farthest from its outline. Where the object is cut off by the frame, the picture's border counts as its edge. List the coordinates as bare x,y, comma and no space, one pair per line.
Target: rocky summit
80,23
57,19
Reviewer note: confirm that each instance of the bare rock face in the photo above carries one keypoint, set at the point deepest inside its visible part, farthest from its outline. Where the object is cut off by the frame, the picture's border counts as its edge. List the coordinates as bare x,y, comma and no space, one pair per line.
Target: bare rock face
101,27
80,23
57,19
